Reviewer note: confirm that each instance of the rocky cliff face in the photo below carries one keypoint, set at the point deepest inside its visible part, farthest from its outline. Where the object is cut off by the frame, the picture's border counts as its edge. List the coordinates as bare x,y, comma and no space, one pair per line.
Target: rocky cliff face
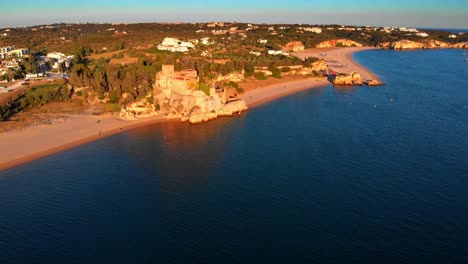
461,45
136,110
205,112
193,106
293,46
337,43
352,79
427,44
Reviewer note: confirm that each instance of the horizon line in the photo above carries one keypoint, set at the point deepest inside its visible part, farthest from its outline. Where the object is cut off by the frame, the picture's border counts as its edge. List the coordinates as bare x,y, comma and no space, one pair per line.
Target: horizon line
232,22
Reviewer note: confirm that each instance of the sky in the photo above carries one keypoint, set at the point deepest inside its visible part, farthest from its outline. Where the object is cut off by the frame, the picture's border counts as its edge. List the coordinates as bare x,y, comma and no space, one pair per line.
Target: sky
411,13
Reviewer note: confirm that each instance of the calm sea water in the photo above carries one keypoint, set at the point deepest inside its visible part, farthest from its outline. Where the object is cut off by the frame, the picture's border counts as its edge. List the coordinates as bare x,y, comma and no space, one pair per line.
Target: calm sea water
354,175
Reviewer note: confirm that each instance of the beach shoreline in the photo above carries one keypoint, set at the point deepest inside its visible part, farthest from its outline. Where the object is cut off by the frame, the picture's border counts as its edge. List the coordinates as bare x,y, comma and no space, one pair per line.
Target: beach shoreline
32,143
340,56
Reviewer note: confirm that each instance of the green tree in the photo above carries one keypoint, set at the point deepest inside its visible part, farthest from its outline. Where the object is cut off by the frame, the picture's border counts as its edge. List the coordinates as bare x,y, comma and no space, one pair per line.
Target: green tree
249,70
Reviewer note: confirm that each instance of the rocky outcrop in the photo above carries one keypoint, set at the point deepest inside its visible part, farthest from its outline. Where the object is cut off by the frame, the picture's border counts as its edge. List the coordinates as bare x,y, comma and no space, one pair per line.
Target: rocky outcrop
427,44
461,45
353,79
373,83
338,43
136,110
406,44
200,113
293,46
434,44
179,94
194,107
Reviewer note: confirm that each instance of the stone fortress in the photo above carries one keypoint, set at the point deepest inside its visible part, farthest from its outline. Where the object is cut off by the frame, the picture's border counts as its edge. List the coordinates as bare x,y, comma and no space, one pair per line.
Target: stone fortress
176,95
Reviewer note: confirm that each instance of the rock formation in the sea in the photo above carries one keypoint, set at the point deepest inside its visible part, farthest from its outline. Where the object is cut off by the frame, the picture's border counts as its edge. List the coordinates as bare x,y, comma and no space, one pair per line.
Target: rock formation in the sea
177,95
353,79
426,44
373,83
338,43
208,111
293,46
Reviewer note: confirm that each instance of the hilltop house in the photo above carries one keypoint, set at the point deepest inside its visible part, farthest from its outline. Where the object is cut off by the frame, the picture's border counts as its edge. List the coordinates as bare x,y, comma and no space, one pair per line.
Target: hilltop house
277,52
175,45
10,51
422,34
311,29
60,58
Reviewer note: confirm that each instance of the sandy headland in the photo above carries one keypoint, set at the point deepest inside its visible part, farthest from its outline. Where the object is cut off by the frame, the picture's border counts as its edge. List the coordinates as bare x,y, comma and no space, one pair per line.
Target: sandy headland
24,145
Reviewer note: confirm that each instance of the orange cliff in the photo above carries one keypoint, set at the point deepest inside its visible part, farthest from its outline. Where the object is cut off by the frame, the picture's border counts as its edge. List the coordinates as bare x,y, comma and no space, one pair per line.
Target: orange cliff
426,44
338,42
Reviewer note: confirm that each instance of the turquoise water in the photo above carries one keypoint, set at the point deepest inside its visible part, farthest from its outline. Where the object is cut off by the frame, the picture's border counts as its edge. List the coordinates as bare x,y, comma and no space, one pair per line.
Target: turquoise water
349,175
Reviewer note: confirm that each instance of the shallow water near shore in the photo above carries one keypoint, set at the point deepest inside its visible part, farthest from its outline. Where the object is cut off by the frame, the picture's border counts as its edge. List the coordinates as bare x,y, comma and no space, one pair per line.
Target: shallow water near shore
345,175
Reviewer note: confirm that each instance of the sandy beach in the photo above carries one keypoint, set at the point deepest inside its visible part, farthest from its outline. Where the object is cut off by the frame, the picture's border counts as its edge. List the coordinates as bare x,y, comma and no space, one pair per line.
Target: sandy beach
340,60
20,146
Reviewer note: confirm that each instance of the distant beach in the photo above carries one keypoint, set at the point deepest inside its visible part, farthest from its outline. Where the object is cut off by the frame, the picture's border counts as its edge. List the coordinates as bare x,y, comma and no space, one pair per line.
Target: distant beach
340,60
21,146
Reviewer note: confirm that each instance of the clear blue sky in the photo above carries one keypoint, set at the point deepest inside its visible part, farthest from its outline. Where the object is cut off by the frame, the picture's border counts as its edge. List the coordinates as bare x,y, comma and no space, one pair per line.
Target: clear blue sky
418,13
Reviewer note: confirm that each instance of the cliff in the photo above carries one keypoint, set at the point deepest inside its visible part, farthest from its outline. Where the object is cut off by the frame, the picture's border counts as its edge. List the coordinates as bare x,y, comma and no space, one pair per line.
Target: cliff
337,43
194,106
136,110
205,112
427,44
293,46
176,95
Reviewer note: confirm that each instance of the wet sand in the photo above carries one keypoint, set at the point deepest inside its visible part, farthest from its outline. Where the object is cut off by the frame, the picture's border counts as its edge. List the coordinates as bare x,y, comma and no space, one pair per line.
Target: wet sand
269,93
21,146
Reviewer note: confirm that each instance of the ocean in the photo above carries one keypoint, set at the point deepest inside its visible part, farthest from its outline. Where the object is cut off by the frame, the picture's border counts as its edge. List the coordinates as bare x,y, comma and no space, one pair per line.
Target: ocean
328,175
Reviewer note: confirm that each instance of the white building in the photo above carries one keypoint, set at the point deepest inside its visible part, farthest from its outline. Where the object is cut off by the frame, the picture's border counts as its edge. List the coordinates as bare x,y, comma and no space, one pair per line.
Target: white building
56,56
311,29
7,48
412,30
9,51
422,34
277,52
453,36
206,41
256,53
175,45
10,64
60,58
262,41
